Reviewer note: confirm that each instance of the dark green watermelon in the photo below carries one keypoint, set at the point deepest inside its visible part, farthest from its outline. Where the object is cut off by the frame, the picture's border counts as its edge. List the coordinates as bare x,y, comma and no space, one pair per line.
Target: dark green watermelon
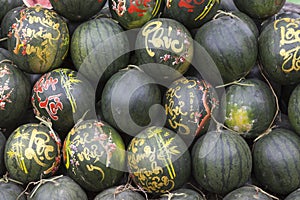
77,10
232,45
99,48
278,50
57,188
164,49
119,193
94,155
11,191
295,195
63,96
247,193
134,13
248,115
182,193
294,109
2,145
32,151
158,160
7,5
39,40
14,96
127,99
189,103
221,161
259,8
191,14
276,161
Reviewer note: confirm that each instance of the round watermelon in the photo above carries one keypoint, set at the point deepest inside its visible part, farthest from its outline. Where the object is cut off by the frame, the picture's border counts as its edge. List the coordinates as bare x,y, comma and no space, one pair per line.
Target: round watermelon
11,191
189,103
63,96
182,193
248,108
15,91
278,50
164,49
221,161
134,13
39,40
57,188
94,155
128,101
158,160
294,109
276,161
119,193
32,151
232,45
247,193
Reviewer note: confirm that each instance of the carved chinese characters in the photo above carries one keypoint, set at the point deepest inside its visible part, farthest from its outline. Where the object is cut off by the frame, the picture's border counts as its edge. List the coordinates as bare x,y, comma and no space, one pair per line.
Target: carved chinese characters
32,151
156,158
94,155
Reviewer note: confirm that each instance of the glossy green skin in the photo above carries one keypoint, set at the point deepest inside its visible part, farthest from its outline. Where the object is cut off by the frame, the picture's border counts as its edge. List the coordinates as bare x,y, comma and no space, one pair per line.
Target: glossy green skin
246,193
294,109
76,97
136,13
273,63
126,100
36,51
191,14
11,191
294,195
248,116
26,160
92,37
231,44
77,10
2,145
182,193
259,8
112,193
16,95
222,161
276,161
61,188
7,5
87,158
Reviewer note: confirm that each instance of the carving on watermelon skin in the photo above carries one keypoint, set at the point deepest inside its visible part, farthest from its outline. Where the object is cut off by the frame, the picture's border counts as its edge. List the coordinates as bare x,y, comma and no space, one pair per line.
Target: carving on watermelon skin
42,3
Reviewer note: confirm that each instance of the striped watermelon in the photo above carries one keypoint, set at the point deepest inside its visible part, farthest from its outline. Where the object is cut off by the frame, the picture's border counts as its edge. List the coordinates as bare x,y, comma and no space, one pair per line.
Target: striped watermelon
221,161
99,49
276,161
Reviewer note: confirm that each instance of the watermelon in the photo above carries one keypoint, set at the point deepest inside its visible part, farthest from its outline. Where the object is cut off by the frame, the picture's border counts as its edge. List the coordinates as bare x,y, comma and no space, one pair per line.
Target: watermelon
189,103
11,191
39,40
295,195
14,96
228,5
191,14
276,161
134,13
42,3
247,193
293,109
77,10
260,9
2,145
221,161
182,193
248,116
63,96
7,5
127,97
119,193
87,49
278,52
57,188
158,160
94,155
32,152
164,49
231,43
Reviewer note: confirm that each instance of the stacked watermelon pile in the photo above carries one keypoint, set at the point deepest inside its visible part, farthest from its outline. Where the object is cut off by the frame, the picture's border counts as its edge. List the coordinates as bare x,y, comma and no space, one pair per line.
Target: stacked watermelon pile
149,99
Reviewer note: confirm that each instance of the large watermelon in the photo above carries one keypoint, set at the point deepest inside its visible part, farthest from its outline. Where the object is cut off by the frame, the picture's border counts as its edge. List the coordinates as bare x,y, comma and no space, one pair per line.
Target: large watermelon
94,155
15,91
32,152
158,160
221,161
276,161
39,40
63,96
